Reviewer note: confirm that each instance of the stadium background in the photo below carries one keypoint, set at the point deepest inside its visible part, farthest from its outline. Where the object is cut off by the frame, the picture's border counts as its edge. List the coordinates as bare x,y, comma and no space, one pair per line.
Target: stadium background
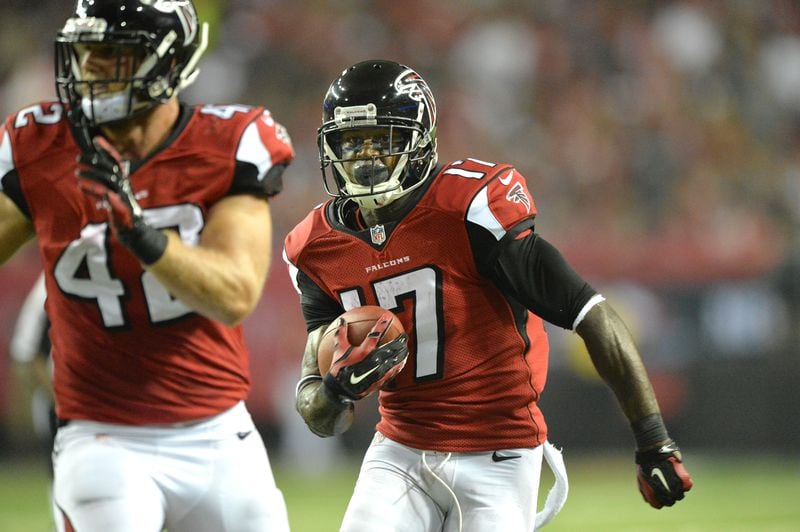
661,142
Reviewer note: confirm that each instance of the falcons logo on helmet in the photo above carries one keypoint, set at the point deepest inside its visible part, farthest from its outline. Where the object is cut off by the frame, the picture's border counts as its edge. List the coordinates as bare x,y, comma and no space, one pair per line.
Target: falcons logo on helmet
411,83
185,12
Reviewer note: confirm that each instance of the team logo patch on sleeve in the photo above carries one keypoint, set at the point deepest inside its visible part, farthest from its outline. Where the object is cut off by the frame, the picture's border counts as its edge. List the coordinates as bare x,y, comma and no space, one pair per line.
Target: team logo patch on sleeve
509,198
517,194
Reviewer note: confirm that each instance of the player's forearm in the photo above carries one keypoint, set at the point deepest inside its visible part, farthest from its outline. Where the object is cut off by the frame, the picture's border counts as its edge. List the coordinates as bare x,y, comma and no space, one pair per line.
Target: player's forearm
661,476
616,358
210,281
324,413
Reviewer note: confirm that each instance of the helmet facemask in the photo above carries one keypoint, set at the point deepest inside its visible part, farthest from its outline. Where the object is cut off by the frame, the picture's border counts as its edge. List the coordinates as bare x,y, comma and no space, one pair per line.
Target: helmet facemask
374,160
108,97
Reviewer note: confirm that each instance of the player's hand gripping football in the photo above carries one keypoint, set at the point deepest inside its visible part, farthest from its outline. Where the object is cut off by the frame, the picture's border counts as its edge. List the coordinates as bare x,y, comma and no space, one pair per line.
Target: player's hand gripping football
357,371
661,475
102,174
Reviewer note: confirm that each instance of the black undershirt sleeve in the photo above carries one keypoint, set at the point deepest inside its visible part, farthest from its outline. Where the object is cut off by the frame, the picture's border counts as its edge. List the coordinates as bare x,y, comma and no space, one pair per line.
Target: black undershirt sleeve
318,308
532,272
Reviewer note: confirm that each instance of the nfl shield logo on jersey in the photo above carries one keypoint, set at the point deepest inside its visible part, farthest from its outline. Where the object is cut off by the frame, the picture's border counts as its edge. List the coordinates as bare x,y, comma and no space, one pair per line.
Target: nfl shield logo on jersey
377,234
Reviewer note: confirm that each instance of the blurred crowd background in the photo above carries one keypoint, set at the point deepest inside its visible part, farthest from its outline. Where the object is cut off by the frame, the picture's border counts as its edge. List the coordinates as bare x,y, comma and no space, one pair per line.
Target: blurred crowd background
661,143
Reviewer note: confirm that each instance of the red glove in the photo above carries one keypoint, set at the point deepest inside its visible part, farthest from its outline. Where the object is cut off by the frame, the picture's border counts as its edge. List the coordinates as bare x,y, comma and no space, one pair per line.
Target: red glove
358,371
661,476
102,174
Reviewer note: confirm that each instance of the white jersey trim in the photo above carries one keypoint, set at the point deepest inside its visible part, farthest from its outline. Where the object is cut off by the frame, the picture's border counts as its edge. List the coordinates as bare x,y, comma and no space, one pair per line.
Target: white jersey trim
597,298
252,150
6,157
293,271
480,213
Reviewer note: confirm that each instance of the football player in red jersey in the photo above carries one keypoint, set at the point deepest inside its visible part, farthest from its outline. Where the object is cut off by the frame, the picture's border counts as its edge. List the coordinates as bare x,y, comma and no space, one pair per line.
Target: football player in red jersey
153,254
452,250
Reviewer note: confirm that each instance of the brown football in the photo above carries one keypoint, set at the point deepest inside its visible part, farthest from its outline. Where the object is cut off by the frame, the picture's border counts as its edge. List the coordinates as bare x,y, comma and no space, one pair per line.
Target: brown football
360,321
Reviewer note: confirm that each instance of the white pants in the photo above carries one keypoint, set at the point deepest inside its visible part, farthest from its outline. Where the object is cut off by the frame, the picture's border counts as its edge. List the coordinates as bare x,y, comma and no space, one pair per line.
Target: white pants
403,489
209,476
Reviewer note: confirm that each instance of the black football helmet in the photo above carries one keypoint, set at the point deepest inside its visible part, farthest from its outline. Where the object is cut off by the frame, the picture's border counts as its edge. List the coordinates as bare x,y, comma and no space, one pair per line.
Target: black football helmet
156,45
392,106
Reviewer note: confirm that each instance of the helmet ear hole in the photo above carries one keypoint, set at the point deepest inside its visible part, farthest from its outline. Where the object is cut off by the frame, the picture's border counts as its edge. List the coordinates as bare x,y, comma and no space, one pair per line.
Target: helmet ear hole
158,89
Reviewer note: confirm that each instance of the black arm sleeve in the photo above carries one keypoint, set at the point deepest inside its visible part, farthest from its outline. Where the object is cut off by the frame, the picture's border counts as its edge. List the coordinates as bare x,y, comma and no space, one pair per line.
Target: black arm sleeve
533,272
318,308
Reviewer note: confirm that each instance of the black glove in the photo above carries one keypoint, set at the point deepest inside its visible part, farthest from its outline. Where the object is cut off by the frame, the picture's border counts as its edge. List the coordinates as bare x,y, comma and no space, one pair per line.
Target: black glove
358,371
661,476
102,174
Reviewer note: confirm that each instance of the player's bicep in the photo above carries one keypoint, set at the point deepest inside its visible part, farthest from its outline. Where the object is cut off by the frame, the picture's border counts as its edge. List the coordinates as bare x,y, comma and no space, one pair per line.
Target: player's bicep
15,228
318,307
533,272
241,227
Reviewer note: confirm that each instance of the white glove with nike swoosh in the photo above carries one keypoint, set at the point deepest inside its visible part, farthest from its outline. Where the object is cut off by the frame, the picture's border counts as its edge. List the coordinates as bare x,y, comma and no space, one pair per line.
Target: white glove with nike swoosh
661,475
358,371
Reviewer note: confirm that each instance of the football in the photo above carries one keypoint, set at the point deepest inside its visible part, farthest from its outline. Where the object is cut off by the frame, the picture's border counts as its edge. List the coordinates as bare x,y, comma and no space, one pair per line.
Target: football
360,321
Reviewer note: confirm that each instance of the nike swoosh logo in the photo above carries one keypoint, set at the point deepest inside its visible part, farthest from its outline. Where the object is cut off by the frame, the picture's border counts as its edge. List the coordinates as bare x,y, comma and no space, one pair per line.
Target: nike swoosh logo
355,379
656,472
502,458
507,179
243,435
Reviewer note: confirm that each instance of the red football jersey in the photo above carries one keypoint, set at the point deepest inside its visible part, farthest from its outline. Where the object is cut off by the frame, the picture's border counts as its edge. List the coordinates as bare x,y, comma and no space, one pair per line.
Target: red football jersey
475,370
124,350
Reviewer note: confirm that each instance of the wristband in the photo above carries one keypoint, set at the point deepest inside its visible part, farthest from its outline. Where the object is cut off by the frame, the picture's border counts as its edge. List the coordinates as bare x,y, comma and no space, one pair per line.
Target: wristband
649,432
305,381
147,243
